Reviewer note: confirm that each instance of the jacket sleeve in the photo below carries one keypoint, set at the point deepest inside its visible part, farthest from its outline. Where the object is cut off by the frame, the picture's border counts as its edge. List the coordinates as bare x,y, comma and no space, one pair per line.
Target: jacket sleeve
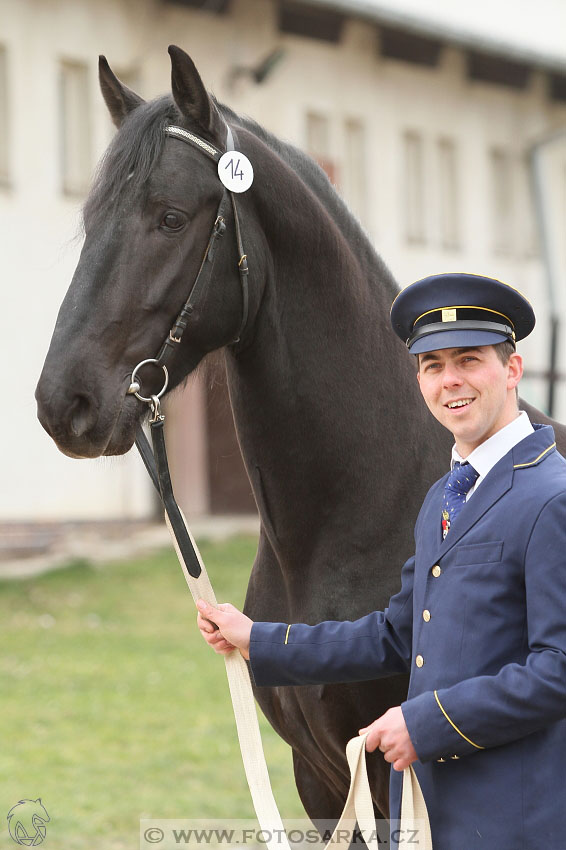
487,711
337,651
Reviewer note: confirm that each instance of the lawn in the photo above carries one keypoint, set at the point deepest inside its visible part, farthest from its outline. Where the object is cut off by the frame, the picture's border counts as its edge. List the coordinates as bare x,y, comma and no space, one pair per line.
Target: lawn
113,708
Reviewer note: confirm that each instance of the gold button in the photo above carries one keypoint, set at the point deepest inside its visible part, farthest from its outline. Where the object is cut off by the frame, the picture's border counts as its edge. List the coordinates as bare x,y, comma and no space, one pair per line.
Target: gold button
454,757
440,761
436,571
426,615
419,661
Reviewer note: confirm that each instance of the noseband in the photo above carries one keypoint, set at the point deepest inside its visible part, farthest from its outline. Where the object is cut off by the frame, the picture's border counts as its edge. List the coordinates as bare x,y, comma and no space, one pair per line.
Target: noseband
173,339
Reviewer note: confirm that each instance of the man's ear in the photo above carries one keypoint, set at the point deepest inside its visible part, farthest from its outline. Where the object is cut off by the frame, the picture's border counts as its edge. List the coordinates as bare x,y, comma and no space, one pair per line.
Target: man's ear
514,370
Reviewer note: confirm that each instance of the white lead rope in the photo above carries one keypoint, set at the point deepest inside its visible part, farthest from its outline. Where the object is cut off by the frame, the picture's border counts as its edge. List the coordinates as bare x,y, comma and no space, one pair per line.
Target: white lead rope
358,807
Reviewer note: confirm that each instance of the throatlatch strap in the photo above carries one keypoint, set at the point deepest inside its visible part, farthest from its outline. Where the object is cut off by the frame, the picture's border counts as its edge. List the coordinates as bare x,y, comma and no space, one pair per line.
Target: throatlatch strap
359,806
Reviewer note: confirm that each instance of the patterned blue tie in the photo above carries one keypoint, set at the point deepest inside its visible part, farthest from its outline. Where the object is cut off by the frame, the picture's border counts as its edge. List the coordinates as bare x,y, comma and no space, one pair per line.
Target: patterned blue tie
460,482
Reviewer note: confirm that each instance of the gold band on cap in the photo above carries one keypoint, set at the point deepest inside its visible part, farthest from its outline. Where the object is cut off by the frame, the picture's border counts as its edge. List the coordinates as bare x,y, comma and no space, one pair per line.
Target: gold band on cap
461,307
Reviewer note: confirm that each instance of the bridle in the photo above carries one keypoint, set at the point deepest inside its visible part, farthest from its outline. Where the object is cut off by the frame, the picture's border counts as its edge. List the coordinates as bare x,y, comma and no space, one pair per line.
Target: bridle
204,274
156,461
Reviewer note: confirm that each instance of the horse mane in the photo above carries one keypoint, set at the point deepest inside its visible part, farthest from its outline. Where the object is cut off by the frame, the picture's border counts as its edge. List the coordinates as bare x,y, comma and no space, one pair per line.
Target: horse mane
133,152
316,179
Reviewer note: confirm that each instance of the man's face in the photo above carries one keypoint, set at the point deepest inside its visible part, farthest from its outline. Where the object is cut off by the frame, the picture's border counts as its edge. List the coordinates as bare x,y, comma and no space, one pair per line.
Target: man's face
470,392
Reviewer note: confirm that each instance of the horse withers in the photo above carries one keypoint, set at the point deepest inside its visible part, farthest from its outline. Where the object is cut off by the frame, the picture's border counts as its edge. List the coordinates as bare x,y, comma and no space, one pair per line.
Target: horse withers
325,400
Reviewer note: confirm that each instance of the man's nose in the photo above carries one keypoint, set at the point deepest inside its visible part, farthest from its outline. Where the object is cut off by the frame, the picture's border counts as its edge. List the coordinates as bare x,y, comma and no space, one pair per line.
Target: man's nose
451,376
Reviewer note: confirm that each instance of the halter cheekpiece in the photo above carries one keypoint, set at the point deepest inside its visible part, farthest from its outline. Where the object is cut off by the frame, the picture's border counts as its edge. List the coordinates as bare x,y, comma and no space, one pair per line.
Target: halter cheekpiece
173,340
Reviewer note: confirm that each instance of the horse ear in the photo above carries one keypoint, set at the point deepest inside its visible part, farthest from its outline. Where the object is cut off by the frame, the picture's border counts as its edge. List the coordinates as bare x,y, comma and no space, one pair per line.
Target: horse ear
191,96
119,99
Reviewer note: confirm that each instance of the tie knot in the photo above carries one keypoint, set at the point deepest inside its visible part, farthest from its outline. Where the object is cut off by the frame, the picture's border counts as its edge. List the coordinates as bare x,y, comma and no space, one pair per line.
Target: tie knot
462,478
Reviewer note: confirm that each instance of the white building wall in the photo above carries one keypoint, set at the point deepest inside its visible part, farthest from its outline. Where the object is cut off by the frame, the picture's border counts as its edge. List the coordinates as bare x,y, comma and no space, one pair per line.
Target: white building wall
40,227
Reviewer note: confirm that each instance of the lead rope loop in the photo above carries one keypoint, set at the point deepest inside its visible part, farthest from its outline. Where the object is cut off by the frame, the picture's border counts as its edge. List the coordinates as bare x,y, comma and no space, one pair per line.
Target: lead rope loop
359,805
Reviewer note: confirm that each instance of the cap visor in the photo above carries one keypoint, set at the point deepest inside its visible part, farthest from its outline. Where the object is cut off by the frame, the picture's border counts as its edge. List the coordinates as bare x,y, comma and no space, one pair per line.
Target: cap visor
455,339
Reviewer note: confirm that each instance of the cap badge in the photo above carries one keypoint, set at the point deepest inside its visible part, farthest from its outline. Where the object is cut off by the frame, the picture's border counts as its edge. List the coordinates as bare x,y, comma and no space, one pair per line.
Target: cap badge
449,315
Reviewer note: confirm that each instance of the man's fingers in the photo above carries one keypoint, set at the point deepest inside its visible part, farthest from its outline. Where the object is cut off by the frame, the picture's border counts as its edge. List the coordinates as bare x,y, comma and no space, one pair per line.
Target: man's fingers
223,647
373,739
209,612
206,625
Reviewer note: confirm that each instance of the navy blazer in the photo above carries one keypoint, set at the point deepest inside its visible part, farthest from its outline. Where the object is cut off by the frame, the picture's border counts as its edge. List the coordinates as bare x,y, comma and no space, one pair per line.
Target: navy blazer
480,623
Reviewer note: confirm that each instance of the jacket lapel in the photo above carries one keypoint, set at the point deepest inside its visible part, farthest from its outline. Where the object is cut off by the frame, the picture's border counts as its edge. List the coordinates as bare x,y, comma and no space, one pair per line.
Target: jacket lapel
430,536
496,483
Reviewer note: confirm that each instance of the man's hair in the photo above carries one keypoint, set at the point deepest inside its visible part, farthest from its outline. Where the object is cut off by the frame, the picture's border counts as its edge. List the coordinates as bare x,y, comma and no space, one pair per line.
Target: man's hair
504,350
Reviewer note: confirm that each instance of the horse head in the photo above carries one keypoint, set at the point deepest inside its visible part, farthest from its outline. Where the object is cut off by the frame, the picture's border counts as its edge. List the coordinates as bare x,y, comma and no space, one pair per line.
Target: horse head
147,222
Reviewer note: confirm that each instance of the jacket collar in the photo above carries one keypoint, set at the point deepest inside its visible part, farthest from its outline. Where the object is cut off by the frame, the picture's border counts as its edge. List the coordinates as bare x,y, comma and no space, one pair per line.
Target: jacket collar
531,451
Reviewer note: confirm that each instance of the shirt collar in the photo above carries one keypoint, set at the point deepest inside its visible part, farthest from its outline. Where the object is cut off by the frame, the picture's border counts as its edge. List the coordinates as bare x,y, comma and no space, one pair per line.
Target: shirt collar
486,455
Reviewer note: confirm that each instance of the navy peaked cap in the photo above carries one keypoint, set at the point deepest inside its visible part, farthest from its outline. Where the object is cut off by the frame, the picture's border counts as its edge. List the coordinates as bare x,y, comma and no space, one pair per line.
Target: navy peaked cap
460,310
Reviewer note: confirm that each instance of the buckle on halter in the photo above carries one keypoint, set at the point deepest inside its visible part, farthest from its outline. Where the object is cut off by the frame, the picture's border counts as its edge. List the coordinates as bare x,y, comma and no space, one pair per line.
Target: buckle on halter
219,226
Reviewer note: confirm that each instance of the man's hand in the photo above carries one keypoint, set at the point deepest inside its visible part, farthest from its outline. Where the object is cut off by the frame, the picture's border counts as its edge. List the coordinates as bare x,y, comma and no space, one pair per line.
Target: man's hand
224,628
389,733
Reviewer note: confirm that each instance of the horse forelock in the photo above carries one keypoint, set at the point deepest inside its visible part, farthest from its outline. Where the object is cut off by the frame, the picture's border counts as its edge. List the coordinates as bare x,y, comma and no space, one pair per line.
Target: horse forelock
130,157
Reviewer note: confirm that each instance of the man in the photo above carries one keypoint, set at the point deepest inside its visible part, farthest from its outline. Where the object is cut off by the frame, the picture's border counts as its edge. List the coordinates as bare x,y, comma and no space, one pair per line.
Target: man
480,621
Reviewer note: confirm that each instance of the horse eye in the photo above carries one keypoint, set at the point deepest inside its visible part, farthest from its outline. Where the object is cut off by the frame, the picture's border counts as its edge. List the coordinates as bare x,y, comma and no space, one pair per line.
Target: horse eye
172,221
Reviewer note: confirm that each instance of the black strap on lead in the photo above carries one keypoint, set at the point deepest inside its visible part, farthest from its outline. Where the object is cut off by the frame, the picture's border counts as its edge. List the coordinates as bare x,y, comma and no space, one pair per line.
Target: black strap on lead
156,464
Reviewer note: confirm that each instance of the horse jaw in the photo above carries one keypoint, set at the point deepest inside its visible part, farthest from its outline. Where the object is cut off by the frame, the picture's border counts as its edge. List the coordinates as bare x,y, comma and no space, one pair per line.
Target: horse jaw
124,434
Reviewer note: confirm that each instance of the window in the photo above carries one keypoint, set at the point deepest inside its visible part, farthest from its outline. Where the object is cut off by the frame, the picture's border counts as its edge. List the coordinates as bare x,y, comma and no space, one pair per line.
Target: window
355,173
413,190
501,183
448,202
527,230
318,143
75,129
4,120
513,219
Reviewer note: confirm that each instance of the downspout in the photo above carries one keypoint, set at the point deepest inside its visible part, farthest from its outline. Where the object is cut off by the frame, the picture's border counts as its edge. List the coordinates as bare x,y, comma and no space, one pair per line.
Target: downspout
552,273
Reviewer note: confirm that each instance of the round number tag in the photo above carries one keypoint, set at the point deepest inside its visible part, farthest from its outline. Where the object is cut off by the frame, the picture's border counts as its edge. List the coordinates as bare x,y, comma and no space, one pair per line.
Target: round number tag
235,171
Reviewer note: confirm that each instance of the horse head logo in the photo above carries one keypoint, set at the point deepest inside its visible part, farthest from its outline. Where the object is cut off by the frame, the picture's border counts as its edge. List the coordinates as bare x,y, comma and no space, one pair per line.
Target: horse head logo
26,822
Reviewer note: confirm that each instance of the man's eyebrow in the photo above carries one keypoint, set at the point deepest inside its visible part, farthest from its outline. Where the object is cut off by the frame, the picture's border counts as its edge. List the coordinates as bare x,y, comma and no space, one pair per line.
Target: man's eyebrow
425,358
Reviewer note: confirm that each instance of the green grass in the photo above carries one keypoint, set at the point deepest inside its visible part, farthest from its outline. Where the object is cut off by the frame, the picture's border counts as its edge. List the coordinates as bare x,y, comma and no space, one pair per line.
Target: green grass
112,706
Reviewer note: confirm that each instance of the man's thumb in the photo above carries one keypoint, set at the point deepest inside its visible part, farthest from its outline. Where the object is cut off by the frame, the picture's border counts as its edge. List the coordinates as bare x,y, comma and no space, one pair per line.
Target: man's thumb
208,611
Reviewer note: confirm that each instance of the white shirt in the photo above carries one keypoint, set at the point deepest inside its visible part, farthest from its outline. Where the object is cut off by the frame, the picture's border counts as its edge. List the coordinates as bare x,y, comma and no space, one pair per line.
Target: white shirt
493,449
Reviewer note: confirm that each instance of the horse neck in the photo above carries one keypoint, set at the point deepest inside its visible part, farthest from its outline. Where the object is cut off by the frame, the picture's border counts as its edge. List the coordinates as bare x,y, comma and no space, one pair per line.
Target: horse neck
323,330
325,399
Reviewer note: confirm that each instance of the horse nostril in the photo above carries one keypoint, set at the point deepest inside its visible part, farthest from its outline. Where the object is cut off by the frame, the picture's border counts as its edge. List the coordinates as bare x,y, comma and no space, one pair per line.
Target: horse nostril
82,415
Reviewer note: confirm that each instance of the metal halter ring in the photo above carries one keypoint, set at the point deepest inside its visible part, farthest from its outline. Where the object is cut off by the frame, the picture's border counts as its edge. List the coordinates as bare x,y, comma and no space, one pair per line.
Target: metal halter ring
135,386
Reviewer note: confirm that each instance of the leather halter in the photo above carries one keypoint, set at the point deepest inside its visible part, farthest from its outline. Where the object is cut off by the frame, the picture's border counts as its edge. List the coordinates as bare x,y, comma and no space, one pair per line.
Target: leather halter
204,274
156,461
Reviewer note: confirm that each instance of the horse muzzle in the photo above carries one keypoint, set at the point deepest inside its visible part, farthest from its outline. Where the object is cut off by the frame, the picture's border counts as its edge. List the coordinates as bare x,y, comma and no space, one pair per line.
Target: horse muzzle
83,428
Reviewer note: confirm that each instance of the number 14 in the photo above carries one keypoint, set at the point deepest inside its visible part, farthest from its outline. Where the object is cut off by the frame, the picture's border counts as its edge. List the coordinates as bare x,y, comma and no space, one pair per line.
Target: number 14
234,169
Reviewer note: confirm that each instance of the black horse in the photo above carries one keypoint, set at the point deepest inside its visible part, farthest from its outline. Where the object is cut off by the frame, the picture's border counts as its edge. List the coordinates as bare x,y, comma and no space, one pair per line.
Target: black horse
339,447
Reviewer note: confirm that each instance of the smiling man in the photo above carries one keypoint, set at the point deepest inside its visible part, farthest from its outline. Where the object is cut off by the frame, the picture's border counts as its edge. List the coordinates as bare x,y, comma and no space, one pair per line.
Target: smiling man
480,620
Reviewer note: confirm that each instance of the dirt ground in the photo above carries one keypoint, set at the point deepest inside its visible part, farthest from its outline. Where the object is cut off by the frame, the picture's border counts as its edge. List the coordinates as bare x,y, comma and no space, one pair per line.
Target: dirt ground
28,549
